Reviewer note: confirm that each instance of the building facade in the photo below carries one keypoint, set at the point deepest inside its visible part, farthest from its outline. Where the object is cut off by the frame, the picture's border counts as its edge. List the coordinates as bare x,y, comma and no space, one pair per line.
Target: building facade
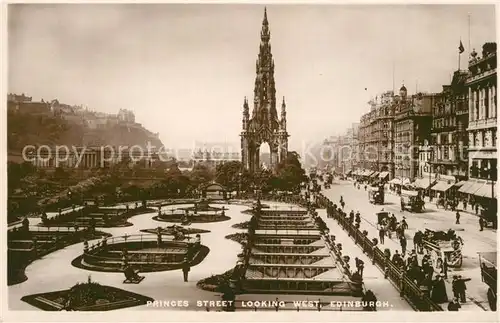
482,127
376,136
412,126
449,136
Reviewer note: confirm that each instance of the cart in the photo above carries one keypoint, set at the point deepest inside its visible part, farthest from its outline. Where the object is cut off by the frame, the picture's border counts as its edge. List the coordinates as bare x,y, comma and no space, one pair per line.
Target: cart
376,195
488,265
382,216
441,245
411,201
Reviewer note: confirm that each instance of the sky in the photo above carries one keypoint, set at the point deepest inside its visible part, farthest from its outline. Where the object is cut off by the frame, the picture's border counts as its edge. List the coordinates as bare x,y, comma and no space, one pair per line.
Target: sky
184,69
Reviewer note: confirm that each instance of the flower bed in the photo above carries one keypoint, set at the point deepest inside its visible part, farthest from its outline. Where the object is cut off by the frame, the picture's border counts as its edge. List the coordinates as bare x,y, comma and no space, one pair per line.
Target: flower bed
215,282
88,296
196,218
17,261
242,225
171,230
238,237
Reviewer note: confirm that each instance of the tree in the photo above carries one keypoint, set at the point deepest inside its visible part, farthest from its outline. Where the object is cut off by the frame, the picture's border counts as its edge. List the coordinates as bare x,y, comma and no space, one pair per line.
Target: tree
60,173
200,174
290,172
175,182
228,175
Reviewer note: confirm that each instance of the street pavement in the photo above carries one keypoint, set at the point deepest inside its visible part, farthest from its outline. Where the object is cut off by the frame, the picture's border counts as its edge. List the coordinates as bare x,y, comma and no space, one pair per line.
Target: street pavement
434,219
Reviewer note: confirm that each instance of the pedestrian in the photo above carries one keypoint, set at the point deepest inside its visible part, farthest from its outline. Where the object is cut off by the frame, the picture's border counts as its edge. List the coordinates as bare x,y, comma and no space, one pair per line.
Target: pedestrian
457,216
403,243
444,268
369,301
462,287
455,287
404,224
465,204
438,294
360,265
186,267
454,305
381,234
396,259
477,209
402,205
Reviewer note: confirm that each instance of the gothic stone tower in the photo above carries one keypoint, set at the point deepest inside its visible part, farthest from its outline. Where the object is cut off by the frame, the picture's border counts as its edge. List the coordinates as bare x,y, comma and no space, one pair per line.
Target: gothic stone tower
264,125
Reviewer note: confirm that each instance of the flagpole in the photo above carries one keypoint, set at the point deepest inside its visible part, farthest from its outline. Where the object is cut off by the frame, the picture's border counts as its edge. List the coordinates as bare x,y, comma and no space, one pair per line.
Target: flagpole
468,16
459,54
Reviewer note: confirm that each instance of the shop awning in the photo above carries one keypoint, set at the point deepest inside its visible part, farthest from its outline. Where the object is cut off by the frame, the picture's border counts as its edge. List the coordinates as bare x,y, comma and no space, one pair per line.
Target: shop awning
442,186
476,185
460,184
422,183
395,181
368,173
486,191
466,186
374,174
406,181
383,175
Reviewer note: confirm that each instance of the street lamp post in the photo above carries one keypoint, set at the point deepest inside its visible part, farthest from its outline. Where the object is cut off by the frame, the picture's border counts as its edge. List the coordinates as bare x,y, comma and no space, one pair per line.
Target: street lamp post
239,183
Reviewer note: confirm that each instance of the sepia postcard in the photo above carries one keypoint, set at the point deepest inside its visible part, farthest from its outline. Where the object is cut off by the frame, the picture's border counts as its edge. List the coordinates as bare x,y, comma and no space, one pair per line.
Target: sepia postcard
249,162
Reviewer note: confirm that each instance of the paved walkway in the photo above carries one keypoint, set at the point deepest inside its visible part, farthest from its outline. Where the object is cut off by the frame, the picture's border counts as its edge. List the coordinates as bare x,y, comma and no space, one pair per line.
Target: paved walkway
55,272
373,278
474,241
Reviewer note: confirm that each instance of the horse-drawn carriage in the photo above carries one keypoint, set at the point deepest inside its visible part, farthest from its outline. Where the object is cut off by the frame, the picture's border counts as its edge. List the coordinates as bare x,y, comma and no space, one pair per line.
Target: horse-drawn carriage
376,195
411,201
488,265
382,217
443,245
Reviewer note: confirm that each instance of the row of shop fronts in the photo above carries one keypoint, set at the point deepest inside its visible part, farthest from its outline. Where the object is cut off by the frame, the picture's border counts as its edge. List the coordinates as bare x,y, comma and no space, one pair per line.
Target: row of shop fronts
435,186
369,175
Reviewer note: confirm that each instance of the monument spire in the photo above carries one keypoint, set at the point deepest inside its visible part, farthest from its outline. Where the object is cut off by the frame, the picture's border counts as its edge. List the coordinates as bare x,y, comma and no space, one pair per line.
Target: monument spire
265,124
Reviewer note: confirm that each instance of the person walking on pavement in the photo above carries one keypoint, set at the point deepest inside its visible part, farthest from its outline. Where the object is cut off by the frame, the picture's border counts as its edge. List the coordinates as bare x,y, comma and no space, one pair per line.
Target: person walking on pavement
465,204
462,288
186,267
457,216
454,287
481,224
404,224
402,205
381,234
360,265
369,300
444,268
403,243
477,209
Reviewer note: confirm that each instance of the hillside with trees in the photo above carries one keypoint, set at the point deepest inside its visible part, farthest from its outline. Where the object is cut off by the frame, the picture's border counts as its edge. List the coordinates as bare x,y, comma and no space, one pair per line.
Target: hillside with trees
31,129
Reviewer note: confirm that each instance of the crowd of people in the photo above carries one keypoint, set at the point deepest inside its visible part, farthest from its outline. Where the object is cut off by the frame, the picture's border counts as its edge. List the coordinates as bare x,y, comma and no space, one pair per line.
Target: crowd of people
420,270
